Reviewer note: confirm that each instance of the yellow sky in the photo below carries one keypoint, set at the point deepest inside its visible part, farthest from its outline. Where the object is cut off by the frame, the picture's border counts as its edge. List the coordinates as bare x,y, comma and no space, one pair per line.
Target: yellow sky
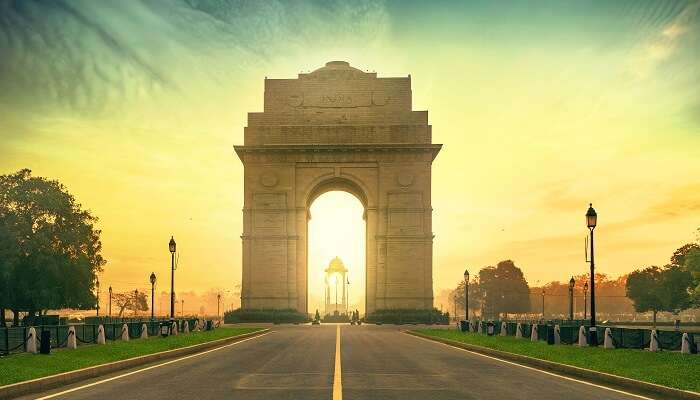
538,116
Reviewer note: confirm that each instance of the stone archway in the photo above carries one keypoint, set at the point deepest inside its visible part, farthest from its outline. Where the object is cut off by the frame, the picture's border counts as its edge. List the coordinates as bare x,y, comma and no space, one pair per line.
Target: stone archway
337,128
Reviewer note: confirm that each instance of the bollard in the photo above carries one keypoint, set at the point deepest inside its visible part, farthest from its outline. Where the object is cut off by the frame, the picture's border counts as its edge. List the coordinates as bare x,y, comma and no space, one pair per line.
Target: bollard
533,333
71,343
685,344
186,327
504,328
196,325
608,343
478,327
100,334
557,334
582,342
654,342
125,333
144,331
173,328
30,346
519,331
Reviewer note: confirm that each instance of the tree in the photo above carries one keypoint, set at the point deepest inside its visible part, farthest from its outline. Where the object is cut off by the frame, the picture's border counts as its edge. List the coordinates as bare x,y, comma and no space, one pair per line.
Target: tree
679,256
133,301
656,289
691,263
504,289
49,246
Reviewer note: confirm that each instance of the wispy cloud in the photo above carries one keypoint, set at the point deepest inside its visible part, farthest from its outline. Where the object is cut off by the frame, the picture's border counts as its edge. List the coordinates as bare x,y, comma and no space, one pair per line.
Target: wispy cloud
664,43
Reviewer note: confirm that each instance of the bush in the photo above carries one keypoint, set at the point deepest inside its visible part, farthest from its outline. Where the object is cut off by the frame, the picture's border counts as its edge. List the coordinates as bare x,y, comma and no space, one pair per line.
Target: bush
265,315
408,316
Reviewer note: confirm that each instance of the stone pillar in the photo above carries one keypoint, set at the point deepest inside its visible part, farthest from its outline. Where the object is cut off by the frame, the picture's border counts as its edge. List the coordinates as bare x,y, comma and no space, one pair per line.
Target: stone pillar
100,334
582,341
654,342
533,333
685,344
125,332
504,328
557,334
519,331
71,343
30,346
186,327
144,331
608,343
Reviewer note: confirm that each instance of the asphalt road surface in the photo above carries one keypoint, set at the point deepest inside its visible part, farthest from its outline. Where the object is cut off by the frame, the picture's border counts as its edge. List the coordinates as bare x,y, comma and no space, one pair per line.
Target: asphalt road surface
300,362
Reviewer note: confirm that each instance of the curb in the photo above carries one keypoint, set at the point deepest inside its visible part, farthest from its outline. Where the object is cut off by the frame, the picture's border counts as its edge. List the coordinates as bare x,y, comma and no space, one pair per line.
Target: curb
65,378
614,381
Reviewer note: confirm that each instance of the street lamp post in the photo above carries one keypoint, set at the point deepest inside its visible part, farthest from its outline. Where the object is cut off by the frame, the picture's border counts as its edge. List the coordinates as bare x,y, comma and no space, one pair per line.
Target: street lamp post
182,308
172,248
585,300
466,295
110,300
136,302
218,302
572,282
153,283
543,293
98,295
455,300
591,222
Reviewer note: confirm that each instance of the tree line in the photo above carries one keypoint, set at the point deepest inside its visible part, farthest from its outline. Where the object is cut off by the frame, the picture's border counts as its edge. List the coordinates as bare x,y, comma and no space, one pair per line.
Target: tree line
501,290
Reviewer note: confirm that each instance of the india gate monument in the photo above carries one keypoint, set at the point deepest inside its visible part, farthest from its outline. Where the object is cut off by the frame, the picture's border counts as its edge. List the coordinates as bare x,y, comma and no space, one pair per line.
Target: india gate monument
337,128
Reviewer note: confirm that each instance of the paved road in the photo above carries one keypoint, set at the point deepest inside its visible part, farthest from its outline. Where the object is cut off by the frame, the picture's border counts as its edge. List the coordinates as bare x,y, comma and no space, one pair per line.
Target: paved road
298,362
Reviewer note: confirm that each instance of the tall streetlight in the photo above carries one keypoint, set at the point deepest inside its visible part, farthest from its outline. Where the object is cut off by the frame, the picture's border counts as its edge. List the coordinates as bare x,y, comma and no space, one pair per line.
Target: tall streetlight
182,308
172,248
136,302
466,295
455,301
572,282
97,283
543,293
218,302
591,222
110,300
585,300
153,283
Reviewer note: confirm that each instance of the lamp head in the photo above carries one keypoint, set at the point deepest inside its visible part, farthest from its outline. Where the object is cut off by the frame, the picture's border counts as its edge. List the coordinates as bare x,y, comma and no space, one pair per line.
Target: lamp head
172,245
572,283
466,274
585,287
591,217
153,278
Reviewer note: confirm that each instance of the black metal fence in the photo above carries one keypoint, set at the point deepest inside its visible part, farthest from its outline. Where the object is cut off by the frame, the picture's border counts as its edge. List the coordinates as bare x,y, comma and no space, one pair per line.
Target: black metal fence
13,339
627,338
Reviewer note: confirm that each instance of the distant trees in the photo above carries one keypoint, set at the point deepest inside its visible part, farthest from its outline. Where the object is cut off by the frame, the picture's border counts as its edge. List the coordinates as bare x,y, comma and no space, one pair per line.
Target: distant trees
133,301
49,247
504,289
497,289
659,289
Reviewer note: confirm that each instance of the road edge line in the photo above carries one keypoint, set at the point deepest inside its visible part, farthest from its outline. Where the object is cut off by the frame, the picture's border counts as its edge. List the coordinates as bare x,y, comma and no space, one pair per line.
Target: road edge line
615,382
64,378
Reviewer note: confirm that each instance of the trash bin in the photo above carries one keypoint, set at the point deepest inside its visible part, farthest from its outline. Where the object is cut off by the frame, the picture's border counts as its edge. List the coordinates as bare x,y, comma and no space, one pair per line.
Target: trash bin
45,342
210,325
464,326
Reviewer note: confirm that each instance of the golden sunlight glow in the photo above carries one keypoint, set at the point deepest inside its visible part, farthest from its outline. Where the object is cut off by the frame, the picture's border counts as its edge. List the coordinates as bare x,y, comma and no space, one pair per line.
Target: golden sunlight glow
337,229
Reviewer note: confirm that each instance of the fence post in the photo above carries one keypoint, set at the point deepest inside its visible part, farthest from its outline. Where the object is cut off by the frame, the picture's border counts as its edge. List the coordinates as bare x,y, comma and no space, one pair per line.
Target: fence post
100,334
519,331
144,331
582,341
654,342
608,343
71,343
504,328
125,332
31,340
533,333
557,334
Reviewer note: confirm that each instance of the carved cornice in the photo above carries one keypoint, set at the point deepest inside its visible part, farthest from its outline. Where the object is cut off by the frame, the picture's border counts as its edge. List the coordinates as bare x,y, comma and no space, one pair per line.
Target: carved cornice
287,149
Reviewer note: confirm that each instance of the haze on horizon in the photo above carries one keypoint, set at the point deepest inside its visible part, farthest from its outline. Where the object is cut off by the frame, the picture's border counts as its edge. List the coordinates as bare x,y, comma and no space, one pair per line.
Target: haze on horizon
543,108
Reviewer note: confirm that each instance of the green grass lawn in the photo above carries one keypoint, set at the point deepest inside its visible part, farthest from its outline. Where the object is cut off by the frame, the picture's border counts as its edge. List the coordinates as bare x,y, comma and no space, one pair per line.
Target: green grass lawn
25,366
666,368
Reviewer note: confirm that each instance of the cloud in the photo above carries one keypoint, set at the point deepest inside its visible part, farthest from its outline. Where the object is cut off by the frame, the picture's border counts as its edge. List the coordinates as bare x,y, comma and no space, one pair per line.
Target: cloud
664,43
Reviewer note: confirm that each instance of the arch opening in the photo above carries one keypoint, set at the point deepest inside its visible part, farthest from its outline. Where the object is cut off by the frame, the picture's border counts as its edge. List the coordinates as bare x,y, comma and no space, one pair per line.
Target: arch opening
336,228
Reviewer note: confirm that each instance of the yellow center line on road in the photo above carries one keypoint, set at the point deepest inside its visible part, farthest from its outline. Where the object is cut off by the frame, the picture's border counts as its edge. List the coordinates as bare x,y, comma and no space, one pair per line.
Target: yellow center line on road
337,383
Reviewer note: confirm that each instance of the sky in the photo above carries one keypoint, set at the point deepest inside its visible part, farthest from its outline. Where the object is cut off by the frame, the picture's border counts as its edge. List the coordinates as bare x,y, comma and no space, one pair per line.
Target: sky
542,107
